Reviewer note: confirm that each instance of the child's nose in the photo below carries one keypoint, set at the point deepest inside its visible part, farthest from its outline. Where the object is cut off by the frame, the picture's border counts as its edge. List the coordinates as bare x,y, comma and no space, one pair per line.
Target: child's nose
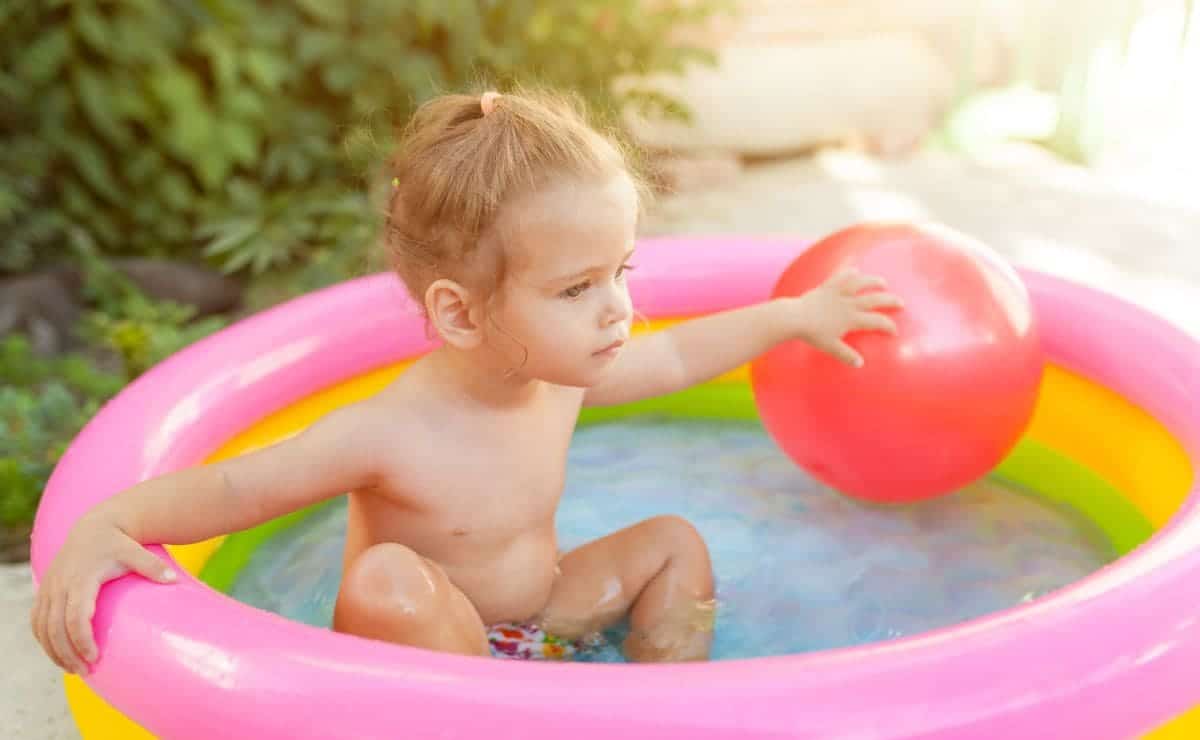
618,307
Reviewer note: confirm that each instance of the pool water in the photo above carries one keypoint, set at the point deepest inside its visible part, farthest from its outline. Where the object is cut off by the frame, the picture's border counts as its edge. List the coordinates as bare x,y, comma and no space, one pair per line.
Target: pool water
798,567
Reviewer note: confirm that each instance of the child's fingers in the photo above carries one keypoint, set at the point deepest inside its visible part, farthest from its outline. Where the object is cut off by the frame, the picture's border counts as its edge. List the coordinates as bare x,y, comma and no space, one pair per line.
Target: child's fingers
64,652
843,280
855,282
80,608
873,321
875,301
846,354
142,561
42,625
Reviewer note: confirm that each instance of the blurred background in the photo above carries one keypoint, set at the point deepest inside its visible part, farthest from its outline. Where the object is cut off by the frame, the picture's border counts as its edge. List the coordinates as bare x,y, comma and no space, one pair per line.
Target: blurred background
168,167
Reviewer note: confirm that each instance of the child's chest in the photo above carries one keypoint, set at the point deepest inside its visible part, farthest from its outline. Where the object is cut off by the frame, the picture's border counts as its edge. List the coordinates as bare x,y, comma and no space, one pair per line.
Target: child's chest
498,483
503,494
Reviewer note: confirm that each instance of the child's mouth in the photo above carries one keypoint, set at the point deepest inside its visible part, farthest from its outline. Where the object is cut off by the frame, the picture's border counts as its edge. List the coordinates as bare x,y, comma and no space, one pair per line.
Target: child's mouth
610,349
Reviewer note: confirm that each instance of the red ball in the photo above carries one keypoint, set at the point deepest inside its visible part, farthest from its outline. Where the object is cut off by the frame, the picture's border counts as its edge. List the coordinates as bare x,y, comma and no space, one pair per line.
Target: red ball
935,407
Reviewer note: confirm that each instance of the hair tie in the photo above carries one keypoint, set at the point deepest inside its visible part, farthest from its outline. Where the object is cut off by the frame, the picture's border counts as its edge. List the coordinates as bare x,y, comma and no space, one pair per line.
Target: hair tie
487,101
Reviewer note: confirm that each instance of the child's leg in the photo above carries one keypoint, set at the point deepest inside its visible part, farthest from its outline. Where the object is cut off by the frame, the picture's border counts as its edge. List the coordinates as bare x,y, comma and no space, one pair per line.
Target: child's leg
390,593
658,572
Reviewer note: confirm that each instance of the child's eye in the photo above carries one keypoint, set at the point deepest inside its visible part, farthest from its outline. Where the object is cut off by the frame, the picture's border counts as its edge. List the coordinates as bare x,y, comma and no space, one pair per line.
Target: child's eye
575,290
623,269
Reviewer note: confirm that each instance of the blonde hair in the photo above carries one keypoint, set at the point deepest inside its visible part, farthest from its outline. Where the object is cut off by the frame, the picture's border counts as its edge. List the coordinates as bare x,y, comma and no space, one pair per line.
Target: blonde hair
461,158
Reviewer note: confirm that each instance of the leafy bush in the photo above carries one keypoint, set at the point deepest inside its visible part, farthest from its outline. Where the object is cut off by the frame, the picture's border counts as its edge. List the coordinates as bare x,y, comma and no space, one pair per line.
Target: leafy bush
246,129
144,332
140,331
43,405
45,402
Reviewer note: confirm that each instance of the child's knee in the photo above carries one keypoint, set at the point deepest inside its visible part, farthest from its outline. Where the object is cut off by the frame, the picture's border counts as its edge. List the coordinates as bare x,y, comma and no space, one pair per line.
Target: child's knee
391,577
682,539
393,594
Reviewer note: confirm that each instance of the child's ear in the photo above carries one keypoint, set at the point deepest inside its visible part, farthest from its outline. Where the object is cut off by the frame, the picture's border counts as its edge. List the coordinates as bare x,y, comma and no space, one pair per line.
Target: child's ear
449,307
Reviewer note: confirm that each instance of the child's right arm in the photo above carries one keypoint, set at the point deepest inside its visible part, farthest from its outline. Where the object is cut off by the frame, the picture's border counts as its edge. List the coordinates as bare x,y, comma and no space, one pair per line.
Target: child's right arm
341,452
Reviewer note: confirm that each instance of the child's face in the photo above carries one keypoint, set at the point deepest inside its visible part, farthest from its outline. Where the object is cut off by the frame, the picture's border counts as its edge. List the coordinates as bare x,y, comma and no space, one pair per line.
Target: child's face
565,300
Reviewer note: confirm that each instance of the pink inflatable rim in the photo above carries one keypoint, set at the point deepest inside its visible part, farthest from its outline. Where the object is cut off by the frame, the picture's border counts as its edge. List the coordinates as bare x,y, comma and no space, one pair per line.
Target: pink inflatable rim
185,661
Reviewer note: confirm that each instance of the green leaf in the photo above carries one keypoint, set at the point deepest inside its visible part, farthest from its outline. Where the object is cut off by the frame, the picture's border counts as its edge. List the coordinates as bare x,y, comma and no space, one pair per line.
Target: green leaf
143,165
134,39
316,46
189,136
241,140
227,12
11,87
238,260
245,193
421,73
91,27
177,89
213,166
11,203
244,103
340,76
332,13
221,57
231,236
174,229
175,190
262,260
104,226
21,491
42,60
265,68
99,106
127,99
92,165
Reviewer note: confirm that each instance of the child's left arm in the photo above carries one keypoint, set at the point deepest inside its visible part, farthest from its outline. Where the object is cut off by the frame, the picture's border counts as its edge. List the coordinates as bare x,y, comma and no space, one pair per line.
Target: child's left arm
704,348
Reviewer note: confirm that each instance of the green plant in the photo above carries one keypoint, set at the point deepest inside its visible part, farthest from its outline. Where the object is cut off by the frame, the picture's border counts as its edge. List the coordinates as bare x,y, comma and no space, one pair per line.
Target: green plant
141,331
44,403
144,332
35,428
246,131
147,332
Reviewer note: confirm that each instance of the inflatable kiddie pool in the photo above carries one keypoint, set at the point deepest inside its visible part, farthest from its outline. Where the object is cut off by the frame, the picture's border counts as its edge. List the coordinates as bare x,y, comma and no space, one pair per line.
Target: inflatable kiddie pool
1116,434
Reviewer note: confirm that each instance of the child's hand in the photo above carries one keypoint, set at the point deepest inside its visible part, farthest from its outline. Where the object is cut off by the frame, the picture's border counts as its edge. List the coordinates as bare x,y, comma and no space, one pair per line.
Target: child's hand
839,306
95,551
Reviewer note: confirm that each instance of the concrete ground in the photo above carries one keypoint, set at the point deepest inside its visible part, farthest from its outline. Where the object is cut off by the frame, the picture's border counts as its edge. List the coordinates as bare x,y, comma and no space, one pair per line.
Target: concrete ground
1140,241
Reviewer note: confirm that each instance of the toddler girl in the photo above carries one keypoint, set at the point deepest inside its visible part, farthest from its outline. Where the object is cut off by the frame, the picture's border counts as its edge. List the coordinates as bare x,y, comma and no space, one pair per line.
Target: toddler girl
511,222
